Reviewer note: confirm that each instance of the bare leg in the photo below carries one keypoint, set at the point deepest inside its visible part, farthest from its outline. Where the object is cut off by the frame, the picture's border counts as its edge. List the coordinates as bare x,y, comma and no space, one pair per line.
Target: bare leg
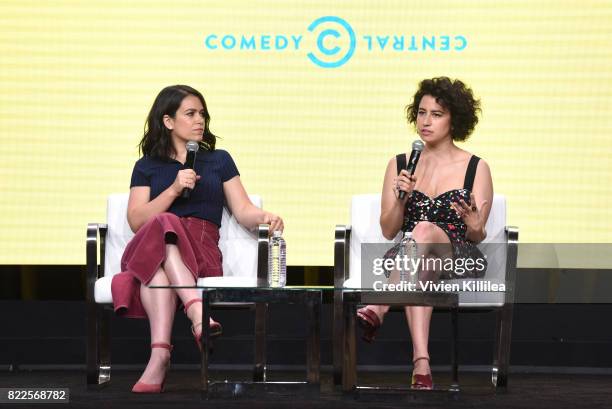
178,274
371,316
394,278
160,306
380,310
419,317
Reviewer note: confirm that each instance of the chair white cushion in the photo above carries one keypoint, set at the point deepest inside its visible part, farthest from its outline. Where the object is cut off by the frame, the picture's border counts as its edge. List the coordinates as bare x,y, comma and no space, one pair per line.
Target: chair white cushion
238,247
365,228
118,234
228,281
102,290
353,282
494,247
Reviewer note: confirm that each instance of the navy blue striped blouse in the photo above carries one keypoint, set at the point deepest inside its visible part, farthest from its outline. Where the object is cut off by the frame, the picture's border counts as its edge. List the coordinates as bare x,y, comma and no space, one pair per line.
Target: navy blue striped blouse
207,199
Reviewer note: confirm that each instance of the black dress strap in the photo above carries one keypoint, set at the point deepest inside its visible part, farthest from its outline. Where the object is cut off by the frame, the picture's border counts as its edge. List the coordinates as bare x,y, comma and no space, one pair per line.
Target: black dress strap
470,173
401,162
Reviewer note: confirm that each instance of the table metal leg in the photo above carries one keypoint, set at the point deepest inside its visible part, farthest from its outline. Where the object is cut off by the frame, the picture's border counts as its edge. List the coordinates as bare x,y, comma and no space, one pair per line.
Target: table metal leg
313,353
205,340
261,313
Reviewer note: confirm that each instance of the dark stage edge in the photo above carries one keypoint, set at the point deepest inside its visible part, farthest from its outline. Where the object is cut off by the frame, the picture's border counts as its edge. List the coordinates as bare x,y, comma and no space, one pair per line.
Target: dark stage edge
182,391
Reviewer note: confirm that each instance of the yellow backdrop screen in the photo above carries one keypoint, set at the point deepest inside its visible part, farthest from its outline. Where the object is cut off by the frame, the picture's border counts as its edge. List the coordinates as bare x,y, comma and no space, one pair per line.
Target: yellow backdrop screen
308,97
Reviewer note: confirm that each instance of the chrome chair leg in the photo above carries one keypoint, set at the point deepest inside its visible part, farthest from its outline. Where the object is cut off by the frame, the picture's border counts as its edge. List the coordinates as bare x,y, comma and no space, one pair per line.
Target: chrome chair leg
98,344
455,349
349,372
501,351
338,338
205,342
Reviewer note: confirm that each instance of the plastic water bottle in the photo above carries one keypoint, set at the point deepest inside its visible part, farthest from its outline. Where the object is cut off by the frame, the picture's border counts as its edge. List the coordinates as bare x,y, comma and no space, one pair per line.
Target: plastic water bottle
277,261
401,253
408,249
411,252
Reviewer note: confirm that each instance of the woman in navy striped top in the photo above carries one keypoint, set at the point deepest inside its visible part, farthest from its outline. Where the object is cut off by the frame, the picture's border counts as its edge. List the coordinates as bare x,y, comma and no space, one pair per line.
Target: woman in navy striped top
176,239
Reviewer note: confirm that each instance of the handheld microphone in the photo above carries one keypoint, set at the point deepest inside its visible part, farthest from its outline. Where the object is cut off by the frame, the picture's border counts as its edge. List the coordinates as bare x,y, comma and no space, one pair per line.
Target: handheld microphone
192,147
417,148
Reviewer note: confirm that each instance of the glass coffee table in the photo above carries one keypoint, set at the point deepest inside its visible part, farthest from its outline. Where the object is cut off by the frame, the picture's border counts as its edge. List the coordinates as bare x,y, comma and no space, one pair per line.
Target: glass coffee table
260,296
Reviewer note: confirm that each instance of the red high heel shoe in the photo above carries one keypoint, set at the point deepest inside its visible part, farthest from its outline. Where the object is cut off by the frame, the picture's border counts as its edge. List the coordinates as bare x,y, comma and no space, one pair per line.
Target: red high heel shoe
215,328
369,323
424,382
140,387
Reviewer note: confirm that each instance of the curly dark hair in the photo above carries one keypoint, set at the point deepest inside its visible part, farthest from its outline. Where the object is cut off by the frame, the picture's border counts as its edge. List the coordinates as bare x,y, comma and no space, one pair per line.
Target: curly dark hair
156,141
454,96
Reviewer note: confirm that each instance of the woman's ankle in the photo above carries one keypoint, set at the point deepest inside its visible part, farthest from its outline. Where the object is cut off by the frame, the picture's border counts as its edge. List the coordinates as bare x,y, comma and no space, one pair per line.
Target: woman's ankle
156,369
160,356
379,310
194,315
421,365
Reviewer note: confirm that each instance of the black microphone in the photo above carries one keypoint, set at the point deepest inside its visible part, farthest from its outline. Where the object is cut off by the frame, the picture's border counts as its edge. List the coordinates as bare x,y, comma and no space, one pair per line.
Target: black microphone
417,148
192,147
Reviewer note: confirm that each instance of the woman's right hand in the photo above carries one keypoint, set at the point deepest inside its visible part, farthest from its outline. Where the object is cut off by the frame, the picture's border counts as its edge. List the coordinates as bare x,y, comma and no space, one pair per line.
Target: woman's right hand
404,182
185,178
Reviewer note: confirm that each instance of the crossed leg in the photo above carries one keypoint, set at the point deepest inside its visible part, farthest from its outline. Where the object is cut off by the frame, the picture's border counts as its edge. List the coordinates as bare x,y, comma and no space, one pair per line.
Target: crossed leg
160,306
432,242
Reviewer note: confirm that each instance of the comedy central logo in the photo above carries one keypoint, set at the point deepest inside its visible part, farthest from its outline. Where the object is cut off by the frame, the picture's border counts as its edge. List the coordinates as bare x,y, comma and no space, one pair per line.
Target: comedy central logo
331,42
334,56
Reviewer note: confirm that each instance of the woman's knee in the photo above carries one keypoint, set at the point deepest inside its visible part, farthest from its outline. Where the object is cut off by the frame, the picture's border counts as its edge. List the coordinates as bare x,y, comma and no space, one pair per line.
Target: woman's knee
162,219
165,216
159,278
424,232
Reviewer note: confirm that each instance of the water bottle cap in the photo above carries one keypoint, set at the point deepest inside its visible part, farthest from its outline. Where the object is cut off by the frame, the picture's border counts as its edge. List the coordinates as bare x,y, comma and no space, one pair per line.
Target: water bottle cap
277,233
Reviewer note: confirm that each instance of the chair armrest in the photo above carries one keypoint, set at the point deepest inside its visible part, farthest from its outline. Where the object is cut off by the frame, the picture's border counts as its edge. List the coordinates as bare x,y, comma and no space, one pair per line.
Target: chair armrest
93,270
263,243
512,233
342,241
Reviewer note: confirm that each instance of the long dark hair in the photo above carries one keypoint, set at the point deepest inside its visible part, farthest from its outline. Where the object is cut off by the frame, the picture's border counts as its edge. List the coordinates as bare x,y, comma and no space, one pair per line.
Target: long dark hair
156,141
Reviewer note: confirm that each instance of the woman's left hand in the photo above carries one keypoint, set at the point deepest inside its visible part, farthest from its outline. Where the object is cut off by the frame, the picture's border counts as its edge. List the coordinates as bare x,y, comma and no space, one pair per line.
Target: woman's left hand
275,222
470,214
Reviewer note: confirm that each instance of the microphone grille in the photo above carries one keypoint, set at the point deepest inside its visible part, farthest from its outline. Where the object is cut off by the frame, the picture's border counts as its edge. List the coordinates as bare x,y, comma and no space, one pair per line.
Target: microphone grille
192,146
418,145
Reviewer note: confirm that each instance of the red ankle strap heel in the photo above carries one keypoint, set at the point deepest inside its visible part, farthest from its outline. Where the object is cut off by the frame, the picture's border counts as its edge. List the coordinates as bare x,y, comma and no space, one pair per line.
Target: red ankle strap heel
215,328
369,323
162,345
190,303
420,381
141,387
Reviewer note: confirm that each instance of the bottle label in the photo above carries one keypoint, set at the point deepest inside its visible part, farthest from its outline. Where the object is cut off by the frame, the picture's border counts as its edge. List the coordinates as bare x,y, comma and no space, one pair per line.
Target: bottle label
274,265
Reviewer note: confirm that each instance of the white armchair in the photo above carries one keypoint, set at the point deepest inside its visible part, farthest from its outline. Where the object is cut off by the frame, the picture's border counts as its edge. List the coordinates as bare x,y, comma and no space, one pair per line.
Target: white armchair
244,262
500,249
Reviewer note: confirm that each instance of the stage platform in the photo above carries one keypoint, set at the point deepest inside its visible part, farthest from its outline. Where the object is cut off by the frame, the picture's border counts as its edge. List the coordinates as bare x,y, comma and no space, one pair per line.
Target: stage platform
527,390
